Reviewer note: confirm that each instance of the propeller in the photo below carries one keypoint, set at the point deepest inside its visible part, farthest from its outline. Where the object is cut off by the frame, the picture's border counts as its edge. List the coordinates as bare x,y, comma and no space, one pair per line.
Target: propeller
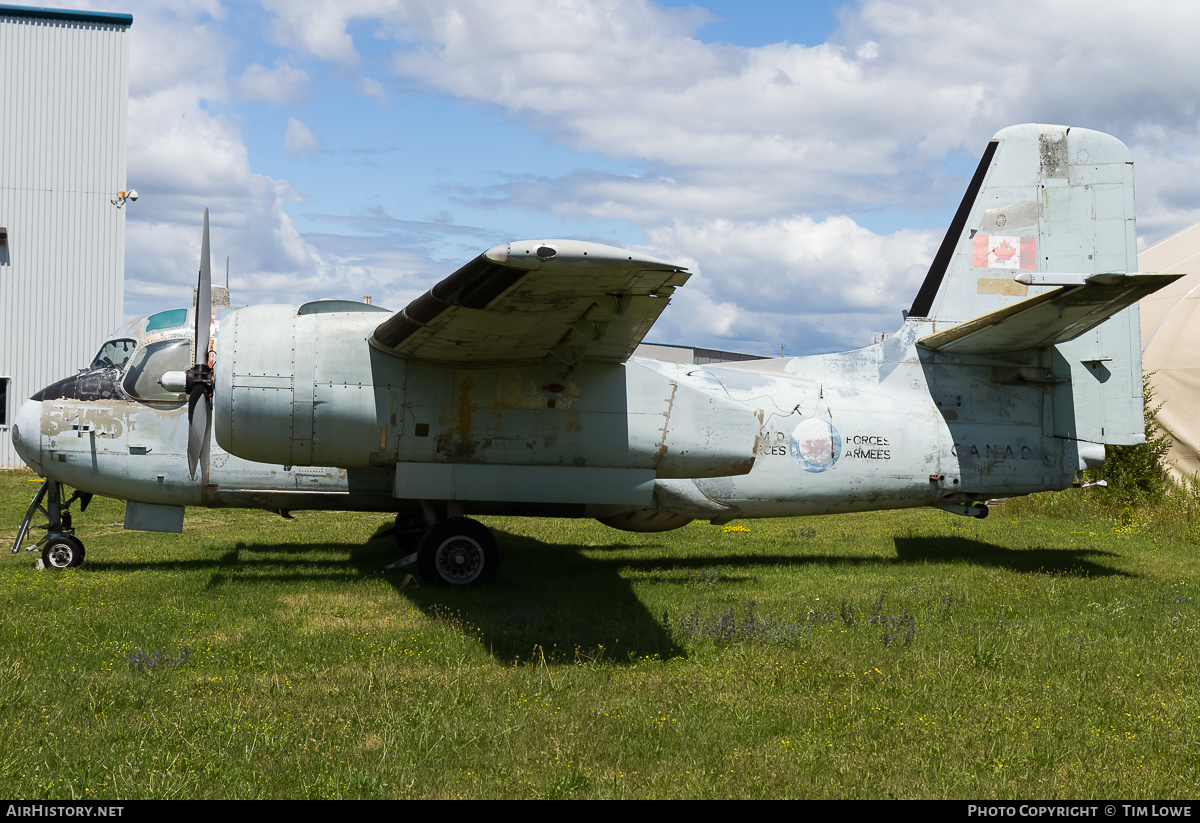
199,384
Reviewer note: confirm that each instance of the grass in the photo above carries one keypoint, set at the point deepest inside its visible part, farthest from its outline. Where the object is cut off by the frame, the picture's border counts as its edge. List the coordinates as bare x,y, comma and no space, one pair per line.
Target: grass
903,654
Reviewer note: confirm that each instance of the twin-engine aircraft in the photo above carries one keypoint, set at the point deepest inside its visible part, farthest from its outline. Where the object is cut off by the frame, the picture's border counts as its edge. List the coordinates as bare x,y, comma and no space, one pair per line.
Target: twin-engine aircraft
512,387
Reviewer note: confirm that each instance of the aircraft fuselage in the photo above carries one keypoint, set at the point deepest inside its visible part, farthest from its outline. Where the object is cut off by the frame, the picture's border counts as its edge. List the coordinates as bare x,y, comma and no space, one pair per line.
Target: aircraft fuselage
886,426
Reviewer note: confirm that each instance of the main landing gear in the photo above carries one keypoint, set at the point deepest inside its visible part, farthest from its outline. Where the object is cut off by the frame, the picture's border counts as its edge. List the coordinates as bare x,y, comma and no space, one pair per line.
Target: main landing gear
451,550
60,548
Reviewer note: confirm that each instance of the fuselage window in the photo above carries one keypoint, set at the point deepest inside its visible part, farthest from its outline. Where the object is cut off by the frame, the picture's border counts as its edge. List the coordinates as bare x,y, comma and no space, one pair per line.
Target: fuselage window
150,363
114,354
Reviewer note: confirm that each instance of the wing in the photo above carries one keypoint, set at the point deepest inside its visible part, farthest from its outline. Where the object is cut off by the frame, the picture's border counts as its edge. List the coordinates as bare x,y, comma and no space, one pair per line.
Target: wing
1081,303
521,303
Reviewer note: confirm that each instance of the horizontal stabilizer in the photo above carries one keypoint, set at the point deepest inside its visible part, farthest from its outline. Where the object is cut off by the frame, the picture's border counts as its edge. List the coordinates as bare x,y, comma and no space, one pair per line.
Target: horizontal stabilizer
1080,303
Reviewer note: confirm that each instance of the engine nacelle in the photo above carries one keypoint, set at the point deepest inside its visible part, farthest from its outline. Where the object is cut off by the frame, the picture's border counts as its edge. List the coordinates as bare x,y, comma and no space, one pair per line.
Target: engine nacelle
300,387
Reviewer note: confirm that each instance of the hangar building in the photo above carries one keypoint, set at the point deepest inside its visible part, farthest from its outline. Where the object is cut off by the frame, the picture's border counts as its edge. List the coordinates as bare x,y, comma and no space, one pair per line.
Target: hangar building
64,94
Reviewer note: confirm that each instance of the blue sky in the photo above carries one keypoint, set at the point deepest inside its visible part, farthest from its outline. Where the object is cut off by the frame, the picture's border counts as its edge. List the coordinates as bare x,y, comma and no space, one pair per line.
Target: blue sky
801,158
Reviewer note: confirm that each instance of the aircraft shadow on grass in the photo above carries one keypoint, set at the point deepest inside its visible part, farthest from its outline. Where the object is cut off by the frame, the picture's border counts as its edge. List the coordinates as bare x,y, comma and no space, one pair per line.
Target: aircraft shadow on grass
1075,562
548,596
553,602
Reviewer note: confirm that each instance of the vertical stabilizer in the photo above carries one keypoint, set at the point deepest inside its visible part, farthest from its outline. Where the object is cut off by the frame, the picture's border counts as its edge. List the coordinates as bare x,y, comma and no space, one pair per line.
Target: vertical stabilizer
1047,206
1043,199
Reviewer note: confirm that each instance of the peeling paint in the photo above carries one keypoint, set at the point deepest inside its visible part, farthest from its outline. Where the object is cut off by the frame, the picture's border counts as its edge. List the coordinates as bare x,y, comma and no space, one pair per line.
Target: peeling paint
1052,152
463,446
102,419
96,384
1001,285
660,451
1011,218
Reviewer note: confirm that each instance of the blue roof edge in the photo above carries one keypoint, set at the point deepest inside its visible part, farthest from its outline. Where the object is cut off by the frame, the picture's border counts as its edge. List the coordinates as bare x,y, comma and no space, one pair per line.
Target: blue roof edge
39,13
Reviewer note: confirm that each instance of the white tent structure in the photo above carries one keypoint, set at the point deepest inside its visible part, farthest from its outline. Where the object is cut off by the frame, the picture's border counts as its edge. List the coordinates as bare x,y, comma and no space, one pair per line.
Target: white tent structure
1170,322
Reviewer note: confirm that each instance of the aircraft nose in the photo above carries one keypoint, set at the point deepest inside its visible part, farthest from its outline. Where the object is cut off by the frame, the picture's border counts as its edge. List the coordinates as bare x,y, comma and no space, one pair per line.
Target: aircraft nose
27,434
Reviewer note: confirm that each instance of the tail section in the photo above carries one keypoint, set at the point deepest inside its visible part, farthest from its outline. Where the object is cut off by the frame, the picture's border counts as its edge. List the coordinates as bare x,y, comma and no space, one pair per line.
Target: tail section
1043,199
1039,268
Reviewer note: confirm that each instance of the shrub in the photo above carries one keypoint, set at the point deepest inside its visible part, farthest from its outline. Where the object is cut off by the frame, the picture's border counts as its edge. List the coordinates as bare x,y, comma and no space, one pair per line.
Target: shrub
1136,472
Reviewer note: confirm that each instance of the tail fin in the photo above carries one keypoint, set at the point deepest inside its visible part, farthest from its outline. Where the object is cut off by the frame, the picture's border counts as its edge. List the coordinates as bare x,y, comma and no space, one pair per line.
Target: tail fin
1041,257
1043,199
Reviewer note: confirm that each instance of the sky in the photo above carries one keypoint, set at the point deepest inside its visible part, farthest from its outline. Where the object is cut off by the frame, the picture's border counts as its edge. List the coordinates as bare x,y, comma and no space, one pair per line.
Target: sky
802,159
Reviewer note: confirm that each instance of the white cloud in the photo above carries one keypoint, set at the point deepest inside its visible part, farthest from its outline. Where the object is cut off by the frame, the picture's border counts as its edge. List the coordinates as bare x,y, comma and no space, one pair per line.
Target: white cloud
619,79
862,120
280,86
185,153
174,53
743,143
319,26
821,284
744,152
299,141
371,88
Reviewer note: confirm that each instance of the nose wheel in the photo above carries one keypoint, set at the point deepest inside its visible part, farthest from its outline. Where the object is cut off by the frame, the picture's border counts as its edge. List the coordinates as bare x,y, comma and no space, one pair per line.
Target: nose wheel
63,551
60,548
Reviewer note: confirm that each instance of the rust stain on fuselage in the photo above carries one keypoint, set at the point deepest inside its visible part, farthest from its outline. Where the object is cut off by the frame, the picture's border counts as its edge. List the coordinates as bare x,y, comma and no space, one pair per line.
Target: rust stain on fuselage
744,466
463,445
660,451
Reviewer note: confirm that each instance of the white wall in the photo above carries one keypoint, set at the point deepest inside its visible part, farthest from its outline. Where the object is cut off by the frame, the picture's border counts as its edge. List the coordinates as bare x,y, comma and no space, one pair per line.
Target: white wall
64,92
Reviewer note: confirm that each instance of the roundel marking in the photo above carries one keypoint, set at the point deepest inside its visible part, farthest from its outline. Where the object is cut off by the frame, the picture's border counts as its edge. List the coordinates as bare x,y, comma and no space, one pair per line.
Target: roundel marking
816,445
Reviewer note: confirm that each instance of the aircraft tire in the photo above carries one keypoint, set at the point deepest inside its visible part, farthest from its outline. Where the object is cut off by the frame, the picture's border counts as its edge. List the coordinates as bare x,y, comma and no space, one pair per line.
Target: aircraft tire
62,551
457,551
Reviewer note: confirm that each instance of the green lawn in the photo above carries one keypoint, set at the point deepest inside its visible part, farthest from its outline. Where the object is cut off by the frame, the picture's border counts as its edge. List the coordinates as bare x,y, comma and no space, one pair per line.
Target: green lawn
902,654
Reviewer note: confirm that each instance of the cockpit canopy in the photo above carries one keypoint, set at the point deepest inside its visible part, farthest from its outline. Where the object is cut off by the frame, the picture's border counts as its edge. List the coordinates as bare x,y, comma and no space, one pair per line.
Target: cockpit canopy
114,354
131,364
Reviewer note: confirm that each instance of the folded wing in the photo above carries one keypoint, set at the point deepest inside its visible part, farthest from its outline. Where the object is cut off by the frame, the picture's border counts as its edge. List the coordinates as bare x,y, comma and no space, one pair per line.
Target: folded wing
521,303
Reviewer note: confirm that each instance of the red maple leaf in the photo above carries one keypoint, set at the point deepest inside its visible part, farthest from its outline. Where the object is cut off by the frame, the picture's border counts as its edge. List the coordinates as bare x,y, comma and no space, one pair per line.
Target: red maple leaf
1004,252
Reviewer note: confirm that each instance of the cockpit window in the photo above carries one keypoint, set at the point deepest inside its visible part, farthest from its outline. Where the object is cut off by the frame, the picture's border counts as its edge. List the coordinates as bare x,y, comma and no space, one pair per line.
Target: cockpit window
114,354
166,320
150,363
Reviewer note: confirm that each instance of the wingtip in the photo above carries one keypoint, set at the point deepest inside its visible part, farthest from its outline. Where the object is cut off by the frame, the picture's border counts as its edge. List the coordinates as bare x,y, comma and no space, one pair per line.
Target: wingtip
498,254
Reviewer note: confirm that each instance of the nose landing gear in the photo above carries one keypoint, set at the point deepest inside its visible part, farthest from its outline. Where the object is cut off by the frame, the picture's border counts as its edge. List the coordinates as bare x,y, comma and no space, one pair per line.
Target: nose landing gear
60,548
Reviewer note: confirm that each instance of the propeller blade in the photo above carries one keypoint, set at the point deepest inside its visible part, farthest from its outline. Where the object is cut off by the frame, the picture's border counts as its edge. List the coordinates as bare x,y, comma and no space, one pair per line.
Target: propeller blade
204,300
199,425
199,377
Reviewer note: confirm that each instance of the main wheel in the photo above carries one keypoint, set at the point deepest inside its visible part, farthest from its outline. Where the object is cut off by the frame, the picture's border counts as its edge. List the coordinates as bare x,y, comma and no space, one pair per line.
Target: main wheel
457,552
62,551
